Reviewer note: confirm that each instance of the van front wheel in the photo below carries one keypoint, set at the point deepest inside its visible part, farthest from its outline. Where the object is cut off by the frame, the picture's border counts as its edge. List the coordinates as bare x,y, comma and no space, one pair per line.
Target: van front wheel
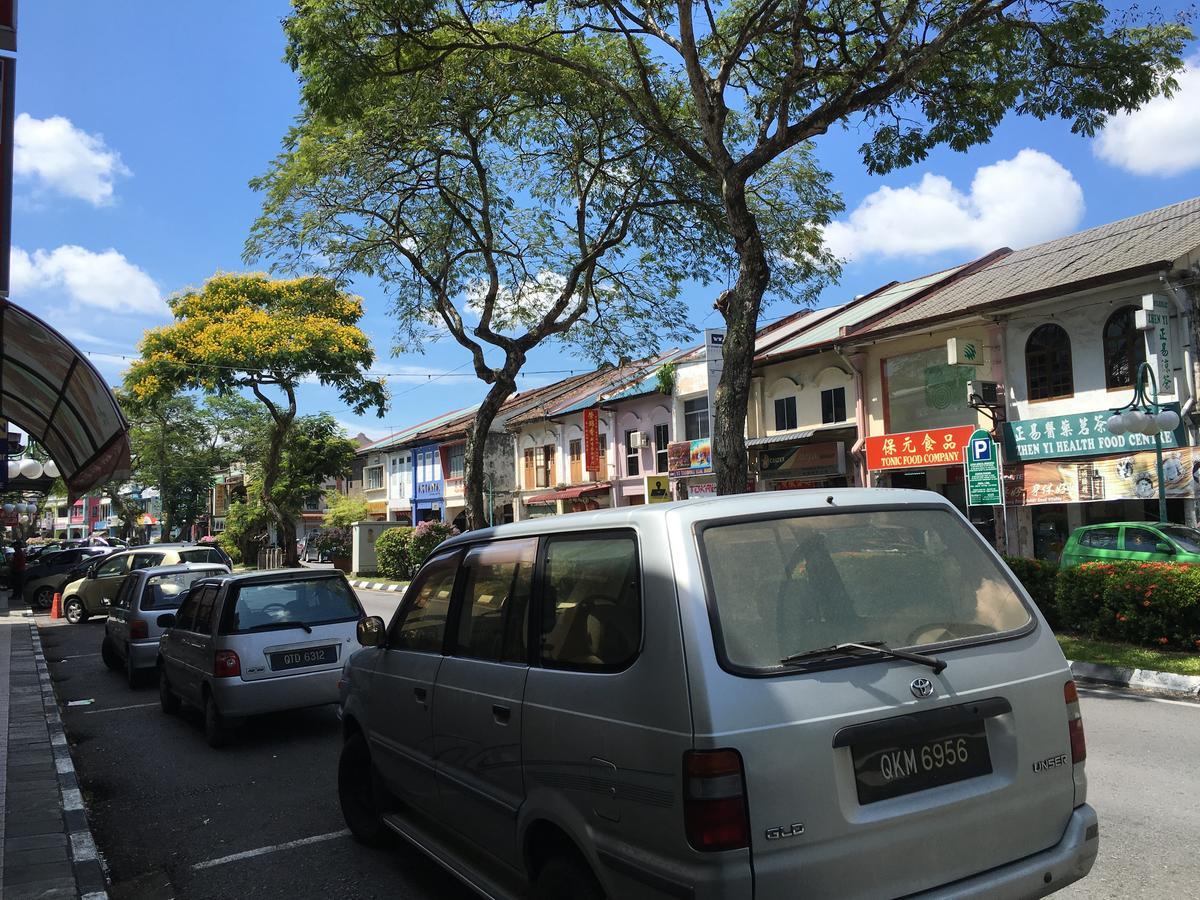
565,878
359,792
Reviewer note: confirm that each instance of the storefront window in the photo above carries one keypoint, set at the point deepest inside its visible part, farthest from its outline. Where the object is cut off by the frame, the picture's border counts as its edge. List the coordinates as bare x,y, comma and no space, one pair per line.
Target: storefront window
785,414
1124,348
923,392
662,437
632,454
1048,363
695,419
833,405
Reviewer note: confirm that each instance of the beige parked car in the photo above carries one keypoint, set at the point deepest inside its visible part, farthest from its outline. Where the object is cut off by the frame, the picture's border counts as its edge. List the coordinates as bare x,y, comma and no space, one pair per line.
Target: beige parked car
94,593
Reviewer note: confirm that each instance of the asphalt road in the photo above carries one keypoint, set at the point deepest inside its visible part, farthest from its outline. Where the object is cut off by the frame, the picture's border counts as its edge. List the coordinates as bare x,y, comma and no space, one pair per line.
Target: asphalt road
166,810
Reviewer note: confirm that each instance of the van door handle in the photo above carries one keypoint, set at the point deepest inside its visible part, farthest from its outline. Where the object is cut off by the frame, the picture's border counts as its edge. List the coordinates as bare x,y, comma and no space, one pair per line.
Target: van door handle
501,714
420,694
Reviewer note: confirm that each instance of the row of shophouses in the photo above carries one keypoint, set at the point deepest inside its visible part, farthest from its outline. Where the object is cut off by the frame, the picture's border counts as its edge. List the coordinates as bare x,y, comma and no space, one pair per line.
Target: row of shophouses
876,392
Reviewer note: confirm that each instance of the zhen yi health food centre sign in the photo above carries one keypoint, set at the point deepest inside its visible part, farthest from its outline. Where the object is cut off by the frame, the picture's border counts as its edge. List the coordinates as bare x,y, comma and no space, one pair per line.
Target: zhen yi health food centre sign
1081,434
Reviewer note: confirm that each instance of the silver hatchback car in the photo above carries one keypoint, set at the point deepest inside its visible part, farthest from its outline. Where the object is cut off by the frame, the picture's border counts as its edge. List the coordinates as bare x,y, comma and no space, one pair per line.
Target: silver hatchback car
840,694
242,645
132,632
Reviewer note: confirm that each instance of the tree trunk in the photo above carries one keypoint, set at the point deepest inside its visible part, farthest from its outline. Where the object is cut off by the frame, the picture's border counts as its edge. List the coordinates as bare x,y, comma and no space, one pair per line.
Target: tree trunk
503,388
284,525
740,307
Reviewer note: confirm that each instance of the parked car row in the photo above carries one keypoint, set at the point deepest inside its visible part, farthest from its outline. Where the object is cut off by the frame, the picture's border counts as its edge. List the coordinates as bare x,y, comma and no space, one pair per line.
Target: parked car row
750,696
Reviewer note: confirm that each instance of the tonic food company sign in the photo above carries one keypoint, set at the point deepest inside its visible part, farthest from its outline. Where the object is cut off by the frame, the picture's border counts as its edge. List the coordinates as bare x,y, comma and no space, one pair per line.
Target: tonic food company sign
918,449
1079,434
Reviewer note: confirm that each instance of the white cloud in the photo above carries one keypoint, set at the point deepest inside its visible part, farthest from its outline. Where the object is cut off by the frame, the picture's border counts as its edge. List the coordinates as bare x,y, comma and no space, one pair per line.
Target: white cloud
1161,138
106,280
63,158
1015,202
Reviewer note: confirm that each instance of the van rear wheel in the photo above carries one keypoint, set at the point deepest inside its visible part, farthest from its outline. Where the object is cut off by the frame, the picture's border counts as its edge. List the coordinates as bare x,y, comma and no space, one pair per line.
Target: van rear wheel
565,878
359,793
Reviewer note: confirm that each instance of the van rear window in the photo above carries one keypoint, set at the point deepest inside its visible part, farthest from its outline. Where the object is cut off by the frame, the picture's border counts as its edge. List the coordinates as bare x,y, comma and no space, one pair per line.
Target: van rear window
904,577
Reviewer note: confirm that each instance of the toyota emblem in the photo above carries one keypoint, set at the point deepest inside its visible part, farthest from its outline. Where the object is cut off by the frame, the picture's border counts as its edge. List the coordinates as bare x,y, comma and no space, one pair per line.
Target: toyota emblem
921,687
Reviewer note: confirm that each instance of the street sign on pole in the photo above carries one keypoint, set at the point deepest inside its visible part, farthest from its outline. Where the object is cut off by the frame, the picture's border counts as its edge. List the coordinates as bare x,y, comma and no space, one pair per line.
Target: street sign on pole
982,463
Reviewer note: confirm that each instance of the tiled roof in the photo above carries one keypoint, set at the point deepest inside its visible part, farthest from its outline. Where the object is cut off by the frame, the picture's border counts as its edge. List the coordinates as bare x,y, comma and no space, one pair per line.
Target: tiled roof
1098,255
398,438
601,382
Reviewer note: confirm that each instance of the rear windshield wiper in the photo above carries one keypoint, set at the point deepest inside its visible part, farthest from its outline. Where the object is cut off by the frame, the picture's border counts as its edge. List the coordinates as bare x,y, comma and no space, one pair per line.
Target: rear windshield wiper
851,649
273,625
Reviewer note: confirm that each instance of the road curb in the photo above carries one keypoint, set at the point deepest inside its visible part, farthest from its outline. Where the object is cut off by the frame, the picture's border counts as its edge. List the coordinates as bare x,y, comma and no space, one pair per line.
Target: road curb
1147,679
85,859
376,585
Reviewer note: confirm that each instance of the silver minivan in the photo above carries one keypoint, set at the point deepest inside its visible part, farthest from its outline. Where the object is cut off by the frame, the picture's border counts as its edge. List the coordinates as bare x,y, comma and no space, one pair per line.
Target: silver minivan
246,644
132,632
841,693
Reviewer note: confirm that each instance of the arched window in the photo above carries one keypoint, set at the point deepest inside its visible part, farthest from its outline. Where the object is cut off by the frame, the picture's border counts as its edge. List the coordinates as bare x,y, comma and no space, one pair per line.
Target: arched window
1124,348
1048,363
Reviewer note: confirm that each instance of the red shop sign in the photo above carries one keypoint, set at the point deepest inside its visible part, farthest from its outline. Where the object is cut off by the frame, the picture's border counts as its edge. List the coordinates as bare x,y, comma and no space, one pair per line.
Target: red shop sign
591,439
918,449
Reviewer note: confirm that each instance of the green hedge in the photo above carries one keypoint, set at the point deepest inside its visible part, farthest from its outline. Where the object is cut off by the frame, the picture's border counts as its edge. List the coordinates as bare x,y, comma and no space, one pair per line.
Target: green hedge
392,550
1154,604
1038,577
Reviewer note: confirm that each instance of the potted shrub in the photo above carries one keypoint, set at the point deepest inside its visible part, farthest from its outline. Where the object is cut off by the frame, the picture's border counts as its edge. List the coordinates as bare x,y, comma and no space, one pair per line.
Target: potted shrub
338,544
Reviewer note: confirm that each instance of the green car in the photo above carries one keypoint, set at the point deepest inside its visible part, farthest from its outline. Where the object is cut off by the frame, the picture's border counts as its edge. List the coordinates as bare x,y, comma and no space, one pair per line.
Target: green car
1132,541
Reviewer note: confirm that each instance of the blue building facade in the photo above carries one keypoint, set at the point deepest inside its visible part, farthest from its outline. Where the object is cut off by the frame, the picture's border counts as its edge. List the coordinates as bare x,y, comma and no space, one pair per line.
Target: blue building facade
429,487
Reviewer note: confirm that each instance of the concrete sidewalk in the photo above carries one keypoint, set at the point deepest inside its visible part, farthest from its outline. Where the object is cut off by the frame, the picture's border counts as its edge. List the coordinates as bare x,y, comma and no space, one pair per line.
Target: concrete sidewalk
46,848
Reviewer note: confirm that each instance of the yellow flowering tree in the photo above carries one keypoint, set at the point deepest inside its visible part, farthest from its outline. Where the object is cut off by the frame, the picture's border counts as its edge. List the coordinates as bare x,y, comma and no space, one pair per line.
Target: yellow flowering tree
252,332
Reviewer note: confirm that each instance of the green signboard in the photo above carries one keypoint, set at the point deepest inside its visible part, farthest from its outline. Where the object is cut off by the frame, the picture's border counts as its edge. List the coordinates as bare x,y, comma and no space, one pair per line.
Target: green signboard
982,461
1079,434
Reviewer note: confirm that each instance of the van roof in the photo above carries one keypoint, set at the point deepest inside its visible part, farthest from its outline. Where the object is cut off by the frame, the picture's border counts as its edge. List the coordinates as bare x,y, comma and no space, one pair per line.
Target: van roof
690,511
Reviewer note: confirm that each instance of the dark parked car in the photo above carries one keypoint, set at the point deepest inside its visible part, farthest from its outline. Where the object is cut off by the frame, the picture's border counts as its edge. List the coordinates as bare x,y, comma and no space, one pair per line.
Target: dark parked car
47,575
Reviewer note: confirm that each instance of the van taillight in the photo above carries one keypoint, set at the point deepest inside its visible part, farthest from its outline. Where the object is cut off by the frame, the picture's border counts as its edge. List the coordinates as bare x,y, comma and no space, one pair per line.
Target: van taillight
1075,723
139,629
227,664
714,800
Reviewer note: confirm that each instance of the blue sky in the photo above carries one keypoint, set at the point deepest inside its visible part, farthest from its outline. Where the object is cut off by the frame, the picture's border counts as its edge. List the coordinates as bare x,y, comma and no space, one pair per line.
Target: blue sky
141,123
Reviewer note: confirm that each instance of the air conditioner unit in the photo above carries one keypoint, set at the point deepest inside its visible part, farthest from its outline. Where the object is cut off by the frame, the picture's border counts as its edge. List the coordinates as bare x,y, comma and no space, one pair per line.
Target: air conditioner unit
986,391
639,439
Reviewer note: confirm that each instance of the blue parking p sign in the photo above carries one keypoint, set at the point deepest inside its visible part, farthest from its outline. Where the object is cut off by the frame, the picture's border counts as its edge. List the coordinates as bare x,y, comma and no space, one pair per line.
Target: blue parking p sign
981,449
982,464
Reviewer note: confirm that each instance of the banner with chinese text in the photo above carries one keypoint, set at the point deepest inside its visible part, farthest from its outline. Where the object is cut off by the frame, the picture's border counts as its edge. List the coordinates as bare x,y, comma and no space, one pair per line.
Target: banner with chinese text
1122,477
1079,434
914,449
591,439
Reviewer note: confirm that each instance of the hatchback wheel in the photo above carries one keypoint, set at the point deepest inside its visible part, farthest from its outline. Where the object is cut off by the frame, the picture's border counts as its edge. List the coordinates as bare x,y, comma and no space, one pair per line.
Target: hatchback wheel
216,732
166,697
44,598
109,655
74,611
565,878
359,792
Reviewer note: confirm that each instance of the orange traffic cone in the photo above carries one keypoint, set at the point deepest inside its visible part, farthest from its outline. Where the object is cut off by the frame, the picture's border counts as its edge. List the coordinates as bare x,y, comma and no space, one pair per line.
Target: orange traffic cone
56,607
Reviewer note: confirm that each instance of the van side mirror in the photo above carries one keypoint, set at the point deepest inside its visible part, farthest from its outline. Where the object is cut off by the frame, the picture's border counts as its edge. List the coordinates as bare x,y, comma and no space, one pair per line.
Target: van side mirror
166,620
370,631
1163,547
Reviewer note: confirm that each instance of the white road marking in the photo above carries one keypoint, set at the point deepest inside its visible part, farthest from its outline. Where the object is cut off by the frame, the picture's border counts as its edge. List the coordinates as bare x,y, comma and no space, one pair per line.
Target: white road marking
1100,692
80,656
261,851
92,712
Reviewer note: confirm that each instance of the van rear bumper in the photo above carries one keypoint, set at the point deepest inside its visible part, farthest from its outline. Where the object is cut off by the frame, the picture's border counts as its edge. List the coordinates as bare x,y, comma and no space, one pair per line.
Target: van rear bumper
1038,875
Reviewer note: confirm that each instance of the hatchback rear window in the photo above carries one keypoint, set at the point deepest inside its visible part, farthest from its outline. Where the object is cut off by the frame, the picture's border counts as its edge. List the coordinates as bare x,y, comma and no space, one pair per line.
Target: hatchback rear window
163,591
293,603
904,577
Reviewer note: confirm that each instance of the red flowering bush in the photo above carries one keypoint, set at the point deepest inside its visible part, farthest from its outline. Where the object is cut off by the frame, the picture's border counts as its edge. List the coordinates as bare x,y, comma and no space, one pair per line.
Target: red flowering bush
1155,604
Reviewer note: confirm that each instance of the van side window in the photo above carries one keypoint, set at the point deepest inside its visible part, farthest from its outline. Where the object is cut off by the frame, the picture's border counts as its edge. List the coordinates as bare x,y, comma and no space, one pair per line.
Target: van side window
1142,540
421,624
1100,538
493,622
591,602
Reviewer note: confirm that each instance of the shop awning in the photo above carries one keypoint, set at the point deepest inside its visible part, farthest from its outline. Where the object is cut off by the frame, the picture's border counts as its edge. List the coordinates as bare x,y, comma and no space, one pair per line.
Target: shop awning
50,390
571,493
790,437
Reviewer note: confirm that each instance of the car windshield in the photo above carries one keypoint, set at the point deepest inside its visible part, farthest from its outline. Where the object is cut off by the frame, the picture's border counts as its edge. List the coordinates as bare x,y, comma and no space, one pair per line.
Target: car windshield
1188,539
906,578
163,591
293,603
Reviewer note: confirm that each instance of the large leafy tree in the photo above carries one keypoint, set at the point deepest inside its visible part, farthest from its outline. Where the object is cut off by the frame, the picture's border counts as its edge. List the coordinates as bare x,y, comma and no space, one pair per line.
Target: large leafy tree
736,92
251,333
499,200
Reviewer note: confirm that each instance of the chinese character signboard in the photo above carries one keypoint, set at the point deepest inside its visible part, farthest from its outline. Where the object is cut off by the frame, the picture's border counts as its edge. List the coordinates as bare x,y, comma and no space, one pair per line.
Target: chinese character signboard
806,459
686,458
1079,434
982,470
1154,318
591,440
916,449
1131,477
658,489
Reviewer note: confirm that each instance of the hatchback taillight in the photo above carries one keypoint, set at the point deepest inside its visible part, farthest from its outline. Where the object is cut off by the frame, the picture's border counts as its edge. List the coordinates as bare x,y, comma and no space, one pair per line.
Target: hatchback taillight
1075,723
139,629
714,800
226,664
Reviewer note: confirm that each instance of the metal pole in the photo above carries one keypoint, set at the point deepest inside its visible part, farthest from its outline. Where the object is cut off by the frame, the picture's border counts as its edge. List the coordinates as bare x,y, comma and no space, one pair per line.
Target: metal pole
1162,486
